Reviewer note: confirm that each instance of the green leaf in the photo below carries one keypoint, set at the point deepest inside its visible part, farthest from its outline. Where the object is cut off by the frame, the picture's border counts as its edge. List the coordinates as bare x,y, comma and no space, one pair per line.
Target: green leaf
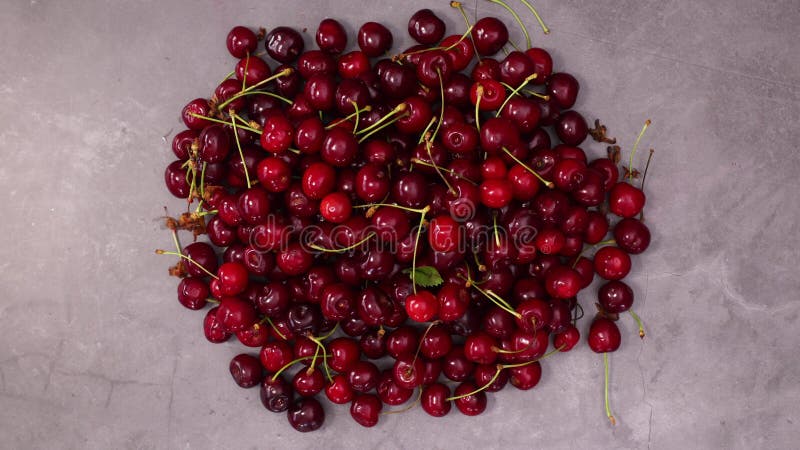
425,276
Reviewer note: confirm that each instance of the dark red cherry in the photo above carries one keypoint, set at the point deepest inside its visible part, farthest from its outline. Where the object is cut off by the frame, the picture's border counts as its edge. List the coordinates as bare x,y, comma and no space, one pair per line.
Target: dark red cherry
366,409
567,339
612,263
241,41
604,336
331,36
306,414
434,399
252,70
196,107
175,177
515,67
363,376
542,62
374,39
563,89
571,128
276,394
426,27
625,200
202,254
632,235
615,297
213,329
314,62
339,148
525,377
284,44
471,405
461,53
489,35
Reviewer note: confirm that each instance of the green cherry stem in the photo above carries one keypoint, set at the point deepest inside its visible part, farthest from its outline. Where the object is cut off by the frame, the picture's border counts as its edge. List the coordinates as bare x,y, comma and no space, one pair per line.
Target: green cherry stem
527,363
635,145
605,389
289,364
344,249
230,74
397,109
224,122
355,114
425,133
239,147
274,328
638,322
245,90
180,255
515,91
497,300
478,95
536,174
533,93
482,388
517,18
416,247
538,17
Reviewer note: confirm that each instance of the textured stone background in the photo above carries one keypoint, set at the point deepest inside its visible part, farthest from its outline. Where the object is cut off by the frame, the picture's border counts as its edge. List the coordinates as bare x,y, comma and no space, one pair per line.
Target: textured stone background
96,353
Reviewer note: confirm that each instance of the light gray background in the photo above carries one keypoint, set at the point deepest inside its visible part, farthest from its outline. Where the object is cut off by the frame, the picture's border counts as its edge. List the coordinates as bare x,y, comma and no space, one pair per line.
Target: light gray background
95,352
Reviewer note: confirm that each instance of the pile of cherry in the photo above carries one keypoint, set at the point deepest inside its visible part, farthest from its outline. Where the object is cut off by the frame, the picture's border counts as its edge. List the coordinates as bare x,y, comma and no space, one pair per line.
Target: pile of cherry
398,229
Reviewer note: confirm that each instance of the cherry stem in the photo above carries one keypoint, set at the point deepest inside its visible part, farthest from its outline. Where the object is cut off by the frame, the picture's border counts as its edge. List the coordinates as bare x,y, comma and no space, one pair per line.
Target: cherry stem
239,147
164,252
605,390
419,347
538,17
635,145
436,167
424,50
517,18
289,364
230,74
350,116
320,345
482,388
546,355
606,242
577,317
496,299
638,322
416,247
397,109
478,94
425,133
176,241
452,173
244,77
342,250
441,107
535,94
395,205
274,328
202,183
515,91
546,183
496,232
407,408
224,122
244,91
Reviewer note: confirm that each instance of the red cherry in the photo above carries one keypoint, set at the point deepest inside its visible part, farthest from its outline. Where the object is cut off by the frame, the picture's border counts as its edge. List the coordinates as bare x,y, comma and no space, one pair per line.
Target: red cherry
612,263
422,306
625,200
604,336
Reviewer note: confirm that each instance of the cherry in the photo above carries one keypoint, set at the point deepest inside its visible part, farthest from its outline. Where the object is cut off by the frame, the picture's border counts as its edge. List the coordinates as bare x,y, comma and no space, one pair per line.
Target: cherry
408,372
417,116
241,41
308,382
571,128
612,263
372,183
335,207
626,200
604,336
444,234
489,35
204,258
434,400
366,409
214,144
319,179
274,174
235,314
193,292
596,228
254,206
550,241
542,63
252,70
453,301
339,148
306,414
460,138
563,89
485,376
338,390
363,376
246,370
496,193
460,54
456,365
480,348
585,268
491,94
331,36
523,112
374,39
276,394
470,405
315,62
254,336
278,134
193,109
567,338
525,377
284,44
422,306
397,81
426,27
534,314
390,392
175,178
436,342
434,67
615,297
402,342
608,169
213,328
632,235
274,355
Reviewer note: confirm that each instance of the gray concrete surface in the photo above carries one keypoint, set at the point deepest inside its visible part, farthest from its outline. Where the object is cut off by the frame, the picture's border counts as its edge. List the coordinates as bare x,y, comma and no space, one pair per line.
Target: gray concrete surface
96,353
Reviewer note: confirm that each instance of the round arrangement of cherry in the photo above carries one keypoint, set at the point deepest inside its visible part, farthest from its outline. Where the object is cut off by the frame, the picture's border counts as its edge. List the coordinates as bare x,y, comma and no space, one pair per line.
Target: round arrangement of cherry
391,229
